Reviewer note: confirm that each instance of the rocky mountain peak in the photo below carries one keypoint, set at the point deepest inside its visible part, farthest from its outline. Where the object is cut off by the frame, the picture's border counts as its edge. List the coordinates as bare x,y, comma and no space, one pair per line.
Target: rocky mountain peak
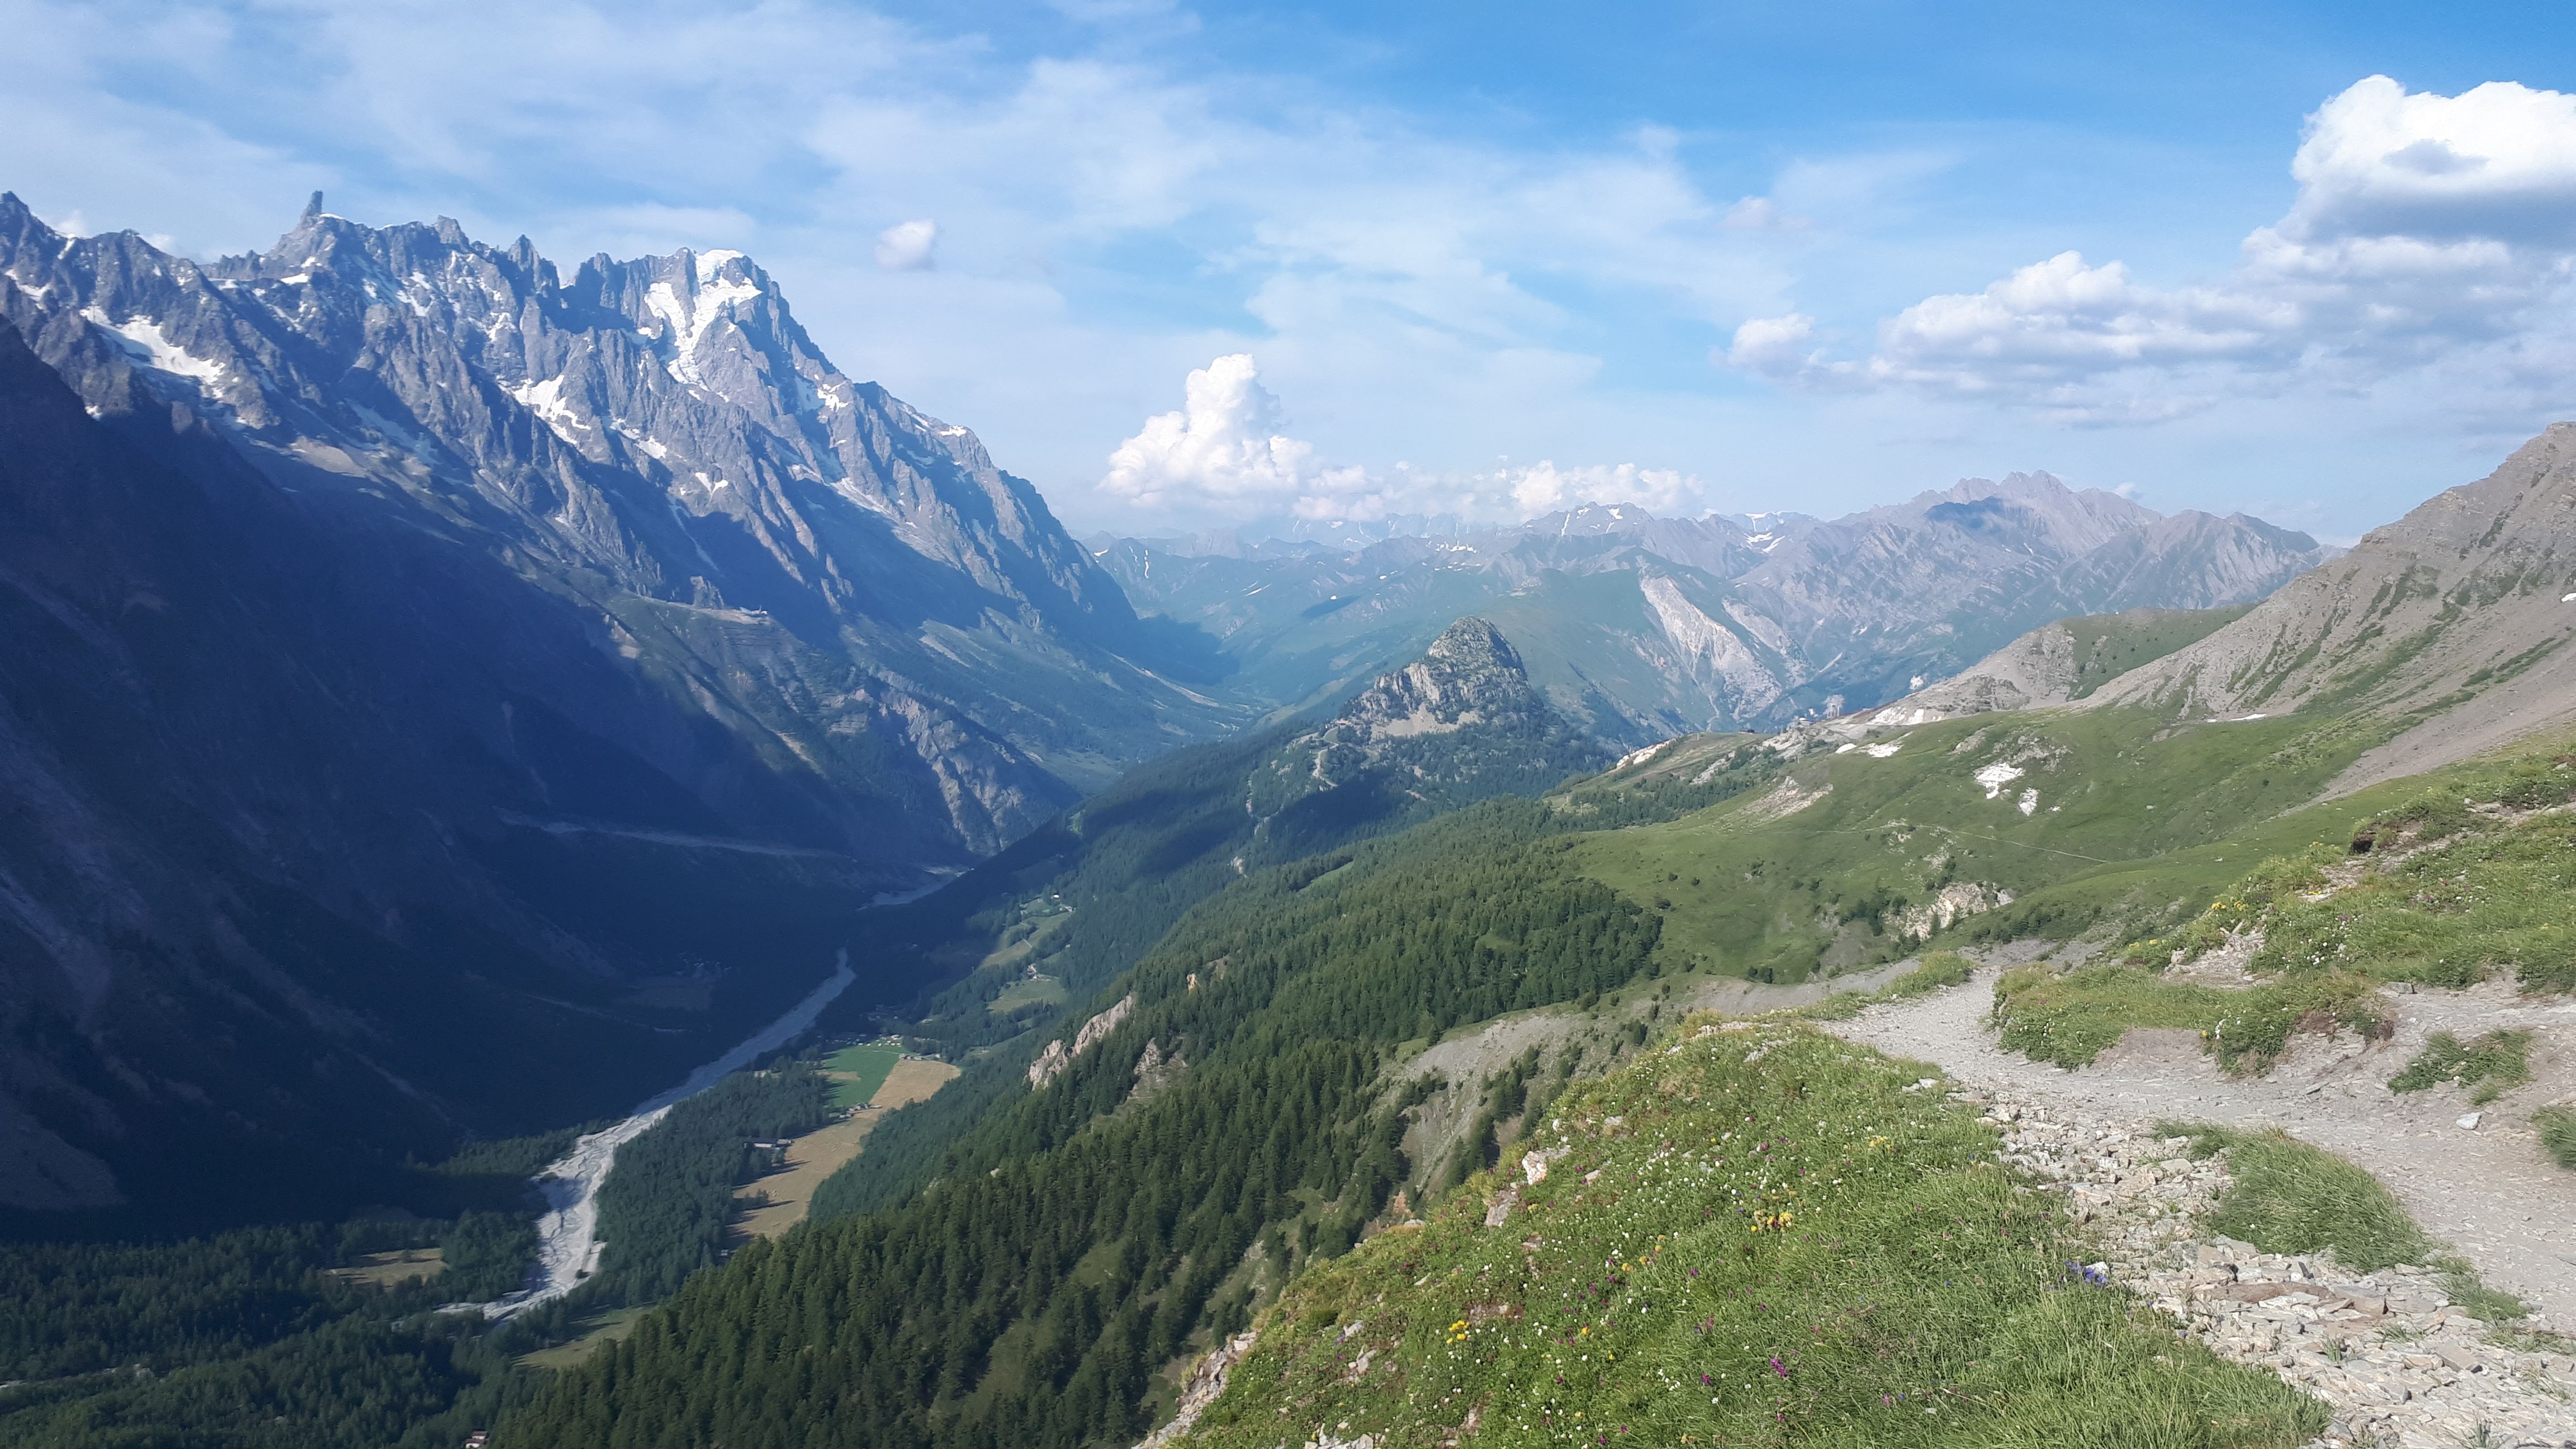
1458,724
1469,675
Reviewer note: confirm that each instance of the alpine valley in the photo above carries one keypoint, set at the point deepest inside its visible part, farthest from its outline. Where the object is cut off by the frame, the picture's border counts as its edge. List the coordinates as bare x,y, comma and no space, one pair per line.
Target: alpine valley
1466,984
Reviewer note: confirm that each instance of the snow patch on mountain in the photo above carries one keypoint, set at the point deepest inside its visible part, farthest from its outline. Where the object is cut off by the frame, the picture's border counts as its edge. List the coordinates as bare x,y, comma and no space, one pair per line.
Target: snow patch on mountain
545,399
142,339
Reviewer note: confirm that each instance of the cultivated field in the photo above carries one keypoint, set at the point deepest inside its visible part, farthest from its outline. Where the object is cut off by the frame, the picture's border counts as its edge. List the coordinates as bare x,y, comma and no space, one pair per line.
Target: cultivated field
819,1154
859,1071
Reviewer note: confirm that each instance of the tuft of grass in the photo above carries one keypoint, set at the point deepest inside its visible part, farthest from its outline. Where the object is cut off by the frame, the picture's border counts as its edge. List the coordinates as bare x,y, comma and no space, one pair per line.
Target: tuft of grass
1755,1236
2491,1066
2558,1134
2491,1304
2072,1017
2284,1196
1941,968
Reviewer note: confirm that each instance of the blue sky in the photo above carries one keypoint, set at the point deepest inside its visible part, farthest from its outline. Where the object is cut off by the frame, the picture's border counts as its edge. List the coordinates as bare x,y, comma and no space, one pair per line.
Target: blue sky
1183,266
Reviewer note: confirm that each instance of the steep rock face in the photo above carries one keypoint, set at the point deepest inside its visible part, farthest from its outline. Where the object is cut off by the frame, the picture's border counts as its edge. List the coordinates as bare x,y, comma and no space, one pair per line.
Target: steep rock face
2454,620
831,573
1642,627
265,922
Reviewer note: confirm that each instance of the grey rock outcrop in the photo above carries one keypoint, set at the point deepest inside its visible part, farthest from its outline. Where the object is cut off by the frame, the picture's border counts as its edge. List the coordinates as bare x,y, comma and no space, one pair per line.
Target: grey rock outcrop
1460,723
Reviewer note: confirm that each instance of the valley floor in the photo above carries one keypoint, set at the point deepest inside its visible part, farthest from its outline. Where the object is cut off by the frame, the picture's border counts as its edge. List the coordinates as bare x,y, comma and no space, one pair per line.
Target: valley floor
2488,1191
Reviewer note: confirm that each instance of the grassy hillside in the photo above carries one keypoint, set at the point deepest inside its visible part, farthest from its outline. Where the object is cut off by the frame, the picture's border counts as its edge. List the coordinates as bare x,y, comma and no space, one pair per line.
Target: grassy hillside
2110,645
1746,1237
1248,1118
1835,860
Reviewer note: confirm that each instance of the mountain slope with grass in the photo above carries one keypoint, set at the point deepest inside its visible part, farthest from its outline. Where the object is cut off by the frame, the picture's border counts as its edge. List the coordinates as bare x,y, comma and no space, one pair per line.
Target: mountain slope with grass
2451,622
1755,1236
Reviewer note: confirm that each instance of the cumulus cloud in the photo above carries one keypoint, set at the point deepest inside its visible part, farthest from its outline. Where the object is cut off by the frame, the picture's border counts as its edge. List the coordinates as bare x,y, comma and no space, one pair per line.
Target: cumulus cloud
2494,162
2423,224
1225,454
1782,346
1223,446
906,245
1543,487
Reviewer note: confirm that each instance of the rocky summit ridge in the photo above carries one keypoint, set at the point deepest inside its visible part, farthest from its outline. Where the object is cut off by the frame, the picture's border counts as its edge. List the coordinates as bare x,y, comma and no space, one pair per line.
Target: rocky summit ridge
1461,723
661,444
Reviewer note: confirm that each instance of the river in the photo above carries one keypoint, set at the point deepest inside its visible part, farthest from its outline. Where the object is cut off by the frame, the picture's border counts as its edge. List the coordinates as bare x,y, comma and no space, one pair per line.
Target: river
568,1242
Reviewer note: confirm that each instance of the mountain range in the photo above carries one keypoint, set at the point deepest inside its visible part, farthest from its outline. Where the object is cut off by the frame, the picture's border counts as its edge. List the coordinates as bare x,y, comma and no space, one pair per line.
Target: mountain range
2446,629
422,661
446,700
1643,627
429,658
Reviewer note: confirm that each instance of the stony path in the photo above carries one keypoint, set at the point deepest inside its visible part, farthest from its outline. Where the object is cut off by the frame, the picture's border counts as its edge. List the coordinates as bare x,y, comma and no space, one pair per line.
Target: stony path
2490,1191
2394,1360
2405,1368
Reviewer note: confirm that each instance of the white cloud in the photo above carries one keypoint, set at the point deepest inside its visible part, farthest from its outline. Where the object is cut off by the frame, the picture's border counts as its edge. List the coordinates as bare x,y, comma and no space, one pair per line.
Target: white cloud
1780,346
1545,488
1224,455
905,246
2425,226
2496,162
1224,446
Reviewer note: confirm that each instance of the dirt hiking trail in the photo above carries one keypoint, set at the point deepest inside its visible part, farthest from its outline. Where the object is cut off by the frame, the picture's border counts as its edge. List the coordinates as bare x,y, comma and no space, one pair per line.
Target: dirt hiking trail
2489,1191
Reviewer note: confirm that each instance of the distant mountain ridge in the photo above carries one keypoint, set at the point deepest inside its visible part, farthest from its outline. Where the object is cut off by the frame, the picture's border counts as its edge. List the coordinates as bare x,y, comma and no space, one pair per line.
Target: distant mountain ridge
1645,627
2453,622
2449,628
